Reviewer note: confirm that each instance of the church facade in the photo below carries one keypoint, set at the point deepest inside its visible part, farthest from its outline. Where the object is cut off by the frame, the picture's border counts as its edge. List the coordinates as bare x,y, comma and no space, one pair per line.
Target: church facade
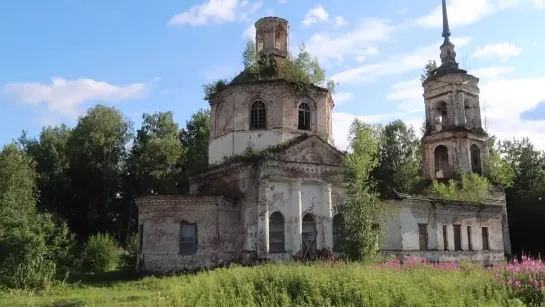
282,204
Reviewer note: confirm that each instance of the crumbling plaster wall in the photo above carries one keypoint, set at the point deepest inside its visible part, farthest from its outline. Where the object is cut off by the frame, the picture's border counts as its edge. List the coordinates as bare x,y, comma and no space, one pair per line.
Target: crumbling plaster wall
458,90
458,144
218,232
230,117
295,189
401,231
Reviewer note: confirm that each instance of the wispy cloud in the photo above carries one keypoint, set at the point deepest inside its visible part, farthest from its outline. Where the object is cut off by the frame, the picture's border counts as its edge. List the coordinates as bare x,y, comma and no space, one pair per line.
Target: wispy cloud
315,15
501,50
216,11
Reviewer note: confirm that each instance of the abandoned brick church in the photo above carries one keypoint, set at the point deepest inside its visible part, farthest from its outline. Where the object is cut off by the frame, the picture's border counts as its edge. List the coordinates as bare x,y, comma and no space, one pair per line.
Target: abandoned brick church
282,204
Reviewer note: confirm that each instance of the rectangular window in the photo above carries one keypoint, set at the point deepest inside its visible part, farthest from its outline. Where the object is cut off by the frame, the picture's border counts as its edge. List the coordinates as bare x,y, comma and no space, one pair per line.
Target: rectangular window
140,237
469,241
423,236
445,238
188,238
457,237
486,245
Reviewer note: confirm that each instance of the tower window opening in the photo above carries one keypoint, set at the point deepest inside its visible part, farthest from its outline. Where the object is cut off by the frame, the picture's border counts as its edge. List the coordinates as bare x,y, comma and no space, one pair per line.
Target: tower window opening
304,116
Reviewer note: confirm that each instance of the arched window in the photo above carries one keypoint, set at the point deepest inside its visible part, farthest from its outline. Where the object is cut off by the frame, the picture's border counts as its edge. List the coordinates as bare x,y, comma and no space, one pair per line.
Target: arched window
338,223
309,233
304,116
475,153
441,161
276,233
258,115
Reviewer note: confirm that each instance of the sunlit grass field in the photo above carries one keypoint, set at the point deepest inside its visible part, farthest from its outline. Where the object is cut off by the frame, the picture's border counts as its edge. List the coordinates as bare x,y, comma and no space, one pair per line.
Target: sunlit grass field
319,284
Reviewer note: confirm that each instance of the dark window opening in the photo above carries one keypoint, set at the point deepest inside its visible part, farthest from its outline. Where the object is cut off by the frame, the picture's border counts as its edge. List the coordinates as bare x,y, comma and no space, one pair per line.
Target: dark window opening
445,238
338,223
140,237
457,237
188,238
276,233
304,116
486,245
469,241
423,236
258,115
475,159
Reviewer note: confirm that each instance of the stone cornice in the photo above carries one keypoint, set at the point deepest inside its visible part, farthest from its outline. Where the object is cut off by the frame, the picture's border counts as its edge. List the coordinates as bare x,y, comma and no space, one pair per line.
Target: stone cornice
177,200
424,203
333,173
221,170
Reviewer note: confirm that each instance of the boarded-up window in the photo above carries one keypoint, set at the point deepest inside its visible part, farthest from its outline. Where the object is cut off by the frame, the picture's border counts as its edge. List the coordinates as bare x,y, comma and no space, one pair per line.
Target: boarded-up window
309,233
188,238
486,245
276,233
445,238
469,241
140,237
338,223
457,237
423,236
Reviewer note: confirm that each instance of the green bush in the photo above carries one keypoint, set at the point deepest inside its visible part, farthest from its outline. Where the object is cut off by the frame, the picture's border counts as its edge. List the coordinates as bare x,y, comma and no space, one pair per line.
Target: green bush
131,251
101,254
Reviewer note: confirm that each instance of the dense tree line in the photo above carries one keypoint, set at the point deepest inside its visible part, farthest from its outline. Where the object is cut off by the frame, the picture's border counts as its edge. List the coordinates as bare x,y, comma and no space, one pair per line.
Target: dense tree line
67,184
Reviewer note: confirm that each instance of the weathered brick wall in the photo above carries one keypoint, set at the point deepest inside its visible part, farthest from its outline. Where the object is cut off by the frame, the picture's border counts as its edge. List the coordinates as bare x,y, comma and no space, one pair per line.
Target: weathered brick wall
218,231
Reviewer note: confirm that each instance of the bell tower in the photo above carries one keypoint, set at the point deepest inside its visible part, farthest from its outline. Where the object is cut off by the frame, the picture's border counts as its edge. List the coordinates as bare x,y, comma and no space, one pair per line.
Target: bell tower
455,141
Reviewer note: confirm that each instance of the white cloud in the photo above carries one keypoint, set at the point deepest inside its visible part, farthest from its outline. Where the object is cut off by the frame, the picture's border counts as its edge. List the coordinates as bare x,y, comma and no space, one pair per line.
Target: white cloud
342,97
501,50
249,33
465,12
360,58
216,11
492,72
315,15
326,46
340,22
396,64
538,3
409,95
63,97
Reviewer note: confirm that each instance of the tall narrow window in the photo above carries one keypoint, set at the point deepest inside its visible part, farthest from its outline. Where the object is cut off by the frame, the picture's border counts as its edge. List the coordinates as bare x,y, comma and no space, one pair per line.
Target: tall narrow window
486,245
258,115
469,241
188,238
140,237
338,223
445,238
441,161
423,236
457,237
475,159
276,233
304,116
309,233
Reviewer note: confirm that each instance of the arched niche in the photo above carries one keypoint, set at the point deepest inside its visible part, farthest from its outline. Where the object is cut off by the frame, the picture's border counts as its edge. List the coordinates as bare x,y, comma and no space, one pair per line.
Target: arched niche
475,157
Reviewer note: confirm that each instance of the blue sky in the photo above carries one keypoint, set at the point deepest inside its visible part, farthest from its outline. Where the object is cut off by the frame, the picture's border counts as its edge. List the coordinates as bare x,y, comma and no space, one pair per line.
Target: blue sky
61,57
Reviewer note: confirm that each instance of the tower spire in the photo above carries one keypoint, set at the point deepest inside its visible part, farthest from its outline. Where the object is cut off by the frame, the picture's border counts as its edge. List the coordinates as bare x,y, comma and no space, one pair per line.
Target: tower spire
446,30
448,55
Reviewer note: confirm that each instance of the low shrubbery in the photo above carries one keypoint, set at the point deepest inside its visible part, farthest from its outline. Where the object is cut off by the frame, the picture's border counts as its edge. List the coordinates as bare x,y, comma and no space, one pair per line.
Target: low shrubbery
101,254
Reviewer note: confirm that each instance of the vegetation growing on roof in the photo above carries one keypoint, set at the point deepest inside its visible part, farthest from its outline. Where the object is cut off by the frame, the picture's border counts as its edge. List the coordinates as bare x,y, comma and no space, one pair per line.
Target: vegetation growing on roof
301,71
471,188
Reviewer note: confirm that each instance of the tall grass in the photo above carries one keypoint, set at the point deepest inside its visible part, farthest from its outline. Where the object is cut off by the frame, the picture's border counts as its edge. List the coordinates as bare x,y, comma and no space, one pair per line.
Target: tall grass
322,284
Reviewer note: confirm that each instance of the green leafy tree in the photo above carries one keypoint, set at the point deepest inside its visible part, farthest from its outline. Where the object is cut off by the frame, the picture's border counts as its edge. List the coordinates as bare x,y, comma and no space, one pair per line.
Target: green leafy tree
101,254
195,138
471,188
362,210
97,151
398,167
428,70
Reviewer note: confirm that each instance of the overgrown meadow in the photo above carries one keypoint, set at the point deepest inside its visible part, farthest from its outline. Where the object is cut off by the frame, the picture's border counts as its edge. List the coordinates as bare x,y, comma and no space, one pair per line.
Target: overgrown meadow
412,283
